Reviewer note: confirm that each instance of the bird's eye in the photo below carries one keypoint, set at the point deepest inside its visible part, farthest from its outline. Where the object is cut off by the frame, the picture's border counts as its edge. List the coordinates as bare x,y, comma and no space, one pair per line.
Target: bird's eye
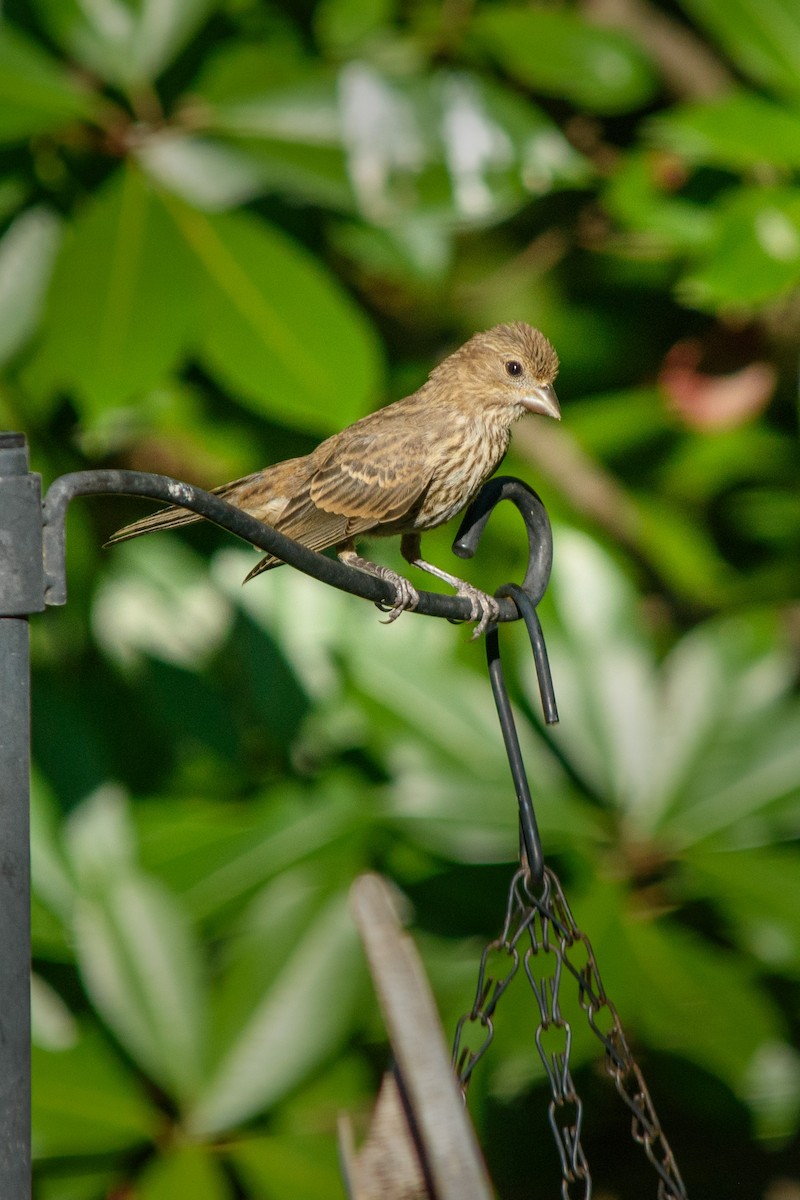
513,367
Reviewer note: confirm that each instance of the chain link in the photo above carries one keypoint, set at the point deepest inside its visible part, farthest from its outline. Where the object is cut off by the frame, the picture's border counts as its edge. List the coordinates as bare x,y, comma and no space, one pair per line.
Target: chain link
546,928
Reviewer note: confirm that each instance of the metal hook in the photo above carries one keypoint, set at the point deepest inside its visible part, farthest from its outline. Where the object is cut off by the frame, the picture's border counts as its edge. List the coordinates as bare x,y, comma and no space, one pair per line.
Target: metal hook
525,597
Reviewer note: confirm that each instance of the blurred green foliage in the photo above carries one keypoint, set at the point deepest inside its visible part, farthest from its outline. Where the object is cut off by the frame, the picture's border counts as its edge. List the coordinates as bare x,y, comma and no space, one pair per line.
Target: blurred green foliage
229,227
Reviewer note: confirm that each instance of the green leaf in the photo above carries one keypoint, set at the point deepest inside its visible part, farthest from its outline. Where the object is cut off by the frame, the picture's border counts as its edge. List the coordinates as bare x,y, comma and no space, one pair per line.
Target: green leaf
762,37
755,254
136,288
681,994
79,1183
127,44
297,1166
190,1171
343,25
141,967
27,253
276,327
560,54
293,1025
86,1102
36,94
696,1000
738,131
636,196
758,891
214,871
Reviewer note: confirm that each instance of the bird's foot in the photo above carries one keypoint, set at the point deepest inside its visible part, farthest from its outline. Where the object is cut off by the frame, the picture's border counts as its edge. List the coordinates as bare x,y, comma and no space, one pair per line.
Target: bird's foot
483,608
406,596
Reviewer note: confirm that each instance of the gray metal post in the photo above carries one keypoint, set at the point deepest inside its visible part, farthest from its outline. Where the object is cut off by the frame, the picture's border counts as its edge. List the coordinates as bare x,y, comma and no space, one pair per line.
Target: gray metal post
21,593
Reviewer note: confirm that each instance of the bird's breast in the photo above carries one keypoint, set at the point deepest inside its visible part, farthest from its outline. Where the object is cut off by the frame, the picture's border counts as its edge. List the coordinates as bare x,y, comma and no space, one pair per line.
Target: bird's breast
470,453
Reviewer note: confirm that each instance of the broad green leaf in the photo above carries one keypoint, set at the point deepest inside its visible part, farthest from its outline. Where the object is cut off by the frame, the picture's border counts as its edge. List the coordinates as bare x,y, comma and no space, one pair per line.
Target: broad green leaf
755,254
682,551
184,1171
738,131
293,1026
696,1000
558,53
141,968
762,37
757,889
619,422
679,993
751,779
125,43
343,25
276,327
136,287
284,838
283,1166
86,1102
79,1183
36,94
638,198
27,253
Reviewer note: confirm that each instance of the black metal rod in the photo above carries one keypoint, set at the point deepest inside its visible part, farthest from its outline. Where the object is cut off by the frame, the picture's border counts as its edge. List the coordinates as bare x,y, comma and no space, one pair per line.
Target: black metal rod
529,829
20,571
173,491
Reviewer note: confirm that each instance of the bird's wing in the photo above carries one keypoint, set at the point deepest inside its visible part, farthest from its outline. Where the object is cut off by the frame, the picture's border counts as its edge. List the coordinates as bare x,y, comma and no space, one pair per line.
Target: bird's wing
369,482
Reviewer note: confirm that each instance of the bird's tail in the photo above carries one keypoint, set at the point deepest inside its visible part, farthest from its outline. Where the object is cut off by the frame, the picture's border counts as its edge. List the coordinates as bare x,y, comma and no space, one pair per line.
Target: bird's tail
174,516
237,493
166,518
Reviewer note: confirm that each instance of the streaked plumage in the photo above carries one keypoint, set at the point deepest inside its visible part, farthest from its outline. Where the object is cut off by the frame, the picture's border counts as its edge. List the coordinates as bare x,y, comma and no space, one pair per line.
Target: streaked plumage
403,469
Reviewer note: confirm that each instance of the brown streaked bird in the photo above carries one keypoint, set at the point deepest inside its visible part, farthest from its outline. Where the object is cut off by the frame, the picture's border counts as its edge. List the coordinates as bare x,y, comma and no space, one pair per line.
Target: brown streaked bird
406,468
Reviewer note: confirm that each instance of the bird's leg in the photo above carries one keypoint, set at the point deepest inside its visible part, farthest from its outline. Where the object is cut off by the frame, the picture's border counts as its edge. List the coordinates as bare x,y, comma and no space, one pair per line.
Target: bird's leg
406,596
484,608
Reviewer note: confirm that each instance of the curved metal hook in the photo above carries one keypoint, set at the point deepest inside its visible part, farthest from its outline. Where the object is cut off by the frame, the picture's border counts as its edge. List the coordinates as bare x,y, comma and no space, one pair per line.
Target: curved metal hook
205,504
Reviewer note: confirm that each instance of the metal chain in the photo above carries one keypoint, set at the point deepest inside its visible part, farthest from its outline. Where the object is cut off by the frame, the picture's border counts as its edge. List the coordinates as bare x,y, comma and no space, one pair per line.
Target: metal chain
547,930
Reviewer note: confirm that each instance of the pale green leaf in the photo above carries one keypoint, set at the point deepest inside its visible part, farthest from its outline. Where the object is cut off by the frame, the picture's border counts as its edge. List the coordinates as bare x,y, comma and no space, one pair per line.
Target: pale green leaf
293,1026
126,44
207,174
140,965
27,253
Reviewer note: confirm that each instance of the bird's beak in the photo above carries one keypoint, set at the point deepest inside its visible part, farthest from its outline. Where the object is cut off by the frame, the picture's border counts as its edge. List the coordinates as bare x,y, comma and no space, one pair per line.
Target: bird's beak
543,400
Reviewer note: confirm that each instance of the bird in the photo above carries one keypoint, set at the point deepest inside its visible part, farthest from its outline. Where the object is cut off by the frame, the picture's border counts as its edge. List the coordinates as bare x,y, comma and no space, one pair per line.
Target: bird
404,469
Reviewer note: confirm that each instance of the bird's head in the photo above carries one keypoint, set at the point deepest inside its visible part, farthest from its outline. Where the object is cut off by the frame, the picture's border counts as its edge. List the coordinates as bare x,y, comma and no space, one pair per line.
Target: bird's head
510,368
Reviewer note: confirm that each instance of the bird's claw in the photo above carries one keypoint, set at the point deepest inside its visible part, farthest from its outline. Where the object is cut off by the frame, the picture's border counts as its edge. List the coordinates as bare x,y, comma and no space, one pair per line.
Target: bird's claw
483,608
406,596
